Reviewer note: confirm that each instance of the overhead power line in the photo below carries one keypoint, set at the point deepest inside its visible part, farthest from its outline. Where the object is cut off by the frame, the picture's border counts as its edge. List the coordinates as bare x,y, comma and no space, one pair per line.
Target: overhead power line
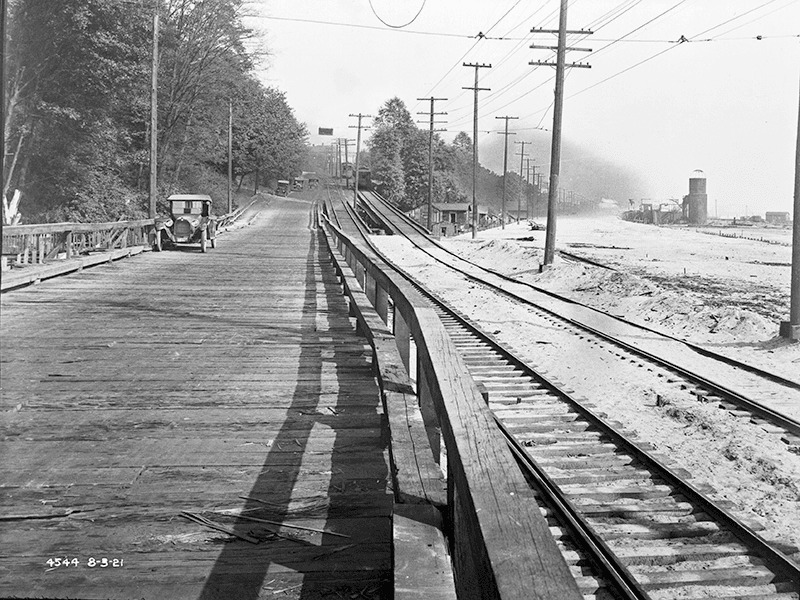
414,18
358,26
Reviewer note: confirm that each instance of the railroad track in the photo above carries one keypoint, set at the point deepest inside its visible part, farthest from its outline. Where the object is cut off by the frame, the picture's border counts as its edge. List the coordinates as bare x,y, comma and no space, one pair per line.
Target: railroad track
630,526
760,399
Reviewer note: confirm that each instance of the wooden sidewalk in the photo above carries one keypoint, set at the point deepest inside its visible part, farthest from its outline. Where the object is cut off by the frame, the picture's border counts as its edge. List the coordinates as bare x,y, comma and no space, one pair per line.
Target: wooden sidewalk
183,382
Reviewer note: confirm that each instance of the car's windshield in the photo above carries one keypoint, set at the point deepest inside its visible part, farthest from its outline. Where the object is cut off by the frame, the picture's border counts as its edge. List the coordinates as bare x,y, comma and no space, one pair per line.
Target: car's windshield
187,207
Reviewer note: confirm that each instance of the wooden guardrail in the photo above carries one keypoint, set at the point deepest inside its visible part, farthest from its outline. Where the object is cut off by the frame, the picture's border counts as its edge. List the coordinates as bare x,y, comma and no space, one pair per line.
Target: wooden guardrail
38,244
59,248
501,544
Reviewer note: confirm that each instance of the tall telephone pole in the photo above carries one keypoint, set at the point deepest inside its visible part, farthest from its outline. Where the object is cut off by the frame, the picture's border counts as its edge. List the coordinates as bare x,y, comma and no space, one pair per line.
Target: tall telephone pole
505,167
430,155
521,179
527,187
344,141
358,147
558,105
230,156
154,118
476,89
791,328
531,180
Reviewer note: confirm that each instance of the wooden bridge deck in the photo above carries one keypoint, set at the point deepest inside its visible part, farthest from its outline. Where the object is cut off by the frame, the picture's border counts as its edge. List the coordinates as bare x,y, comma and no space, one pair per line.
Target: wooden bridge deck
181,382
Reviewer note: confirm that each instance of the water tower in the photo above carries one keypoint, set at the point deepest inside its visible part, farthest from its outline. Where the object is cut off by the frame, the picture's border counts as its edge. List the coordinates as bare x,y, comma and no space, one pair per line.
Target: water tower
696,202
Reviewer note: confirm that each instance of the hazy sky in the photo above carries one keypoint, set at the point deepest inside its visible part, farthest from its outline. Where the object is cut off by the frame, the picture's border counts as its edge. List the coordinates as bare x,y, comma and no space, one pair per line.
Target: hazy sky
728,106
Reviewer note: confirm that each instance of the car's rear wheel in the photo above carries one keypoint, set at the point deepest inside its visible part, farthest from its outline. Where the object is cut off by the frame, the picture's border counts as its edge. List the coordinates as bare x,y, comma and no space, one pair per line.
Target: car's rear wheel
157,246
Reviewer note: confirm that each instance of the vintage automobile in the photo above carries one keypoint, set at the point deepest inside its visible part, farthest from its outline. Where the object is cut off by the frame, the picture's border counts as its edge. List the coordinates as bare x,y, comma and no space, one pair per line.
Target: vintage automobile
283,188
191,222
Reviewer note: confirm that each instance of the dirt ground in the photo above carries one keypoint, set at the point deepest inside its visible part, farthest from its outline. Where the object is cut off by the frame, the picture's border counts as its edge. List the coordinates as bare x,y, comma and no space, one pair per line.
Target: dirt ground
727,294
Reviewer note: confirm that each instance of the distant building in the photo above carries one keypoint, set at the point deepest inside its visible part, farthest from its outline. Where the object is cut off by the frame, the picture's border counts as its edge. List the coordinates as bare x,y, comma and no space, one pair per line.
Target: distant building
695,205
451,218
778,218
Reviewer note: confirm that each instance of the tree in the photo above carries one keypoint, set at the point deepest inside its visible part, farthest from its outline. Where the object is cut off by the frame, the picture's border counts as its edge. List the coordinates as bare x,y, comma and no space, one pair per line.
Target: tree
72,67
77,105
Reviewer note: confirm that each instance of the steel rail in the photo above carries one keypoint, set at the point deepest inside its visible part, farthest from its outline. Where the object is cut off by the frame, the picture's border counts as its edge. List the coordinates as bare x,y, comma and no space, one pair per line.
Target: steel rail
756,408
779,562
790,383
604,558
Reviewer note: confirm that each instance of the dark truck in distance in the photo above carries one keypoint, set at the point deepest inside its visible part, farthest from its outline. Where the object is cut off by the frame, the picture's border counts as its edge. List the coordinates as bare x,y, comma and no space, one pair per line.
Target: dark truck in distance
191,222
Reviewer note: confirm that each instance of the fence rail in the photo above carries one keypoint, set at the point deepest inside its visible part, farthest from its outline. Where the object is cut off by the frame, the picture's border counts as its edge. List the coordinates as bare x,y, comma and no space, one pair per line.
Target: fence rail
59,248
503,548
39,244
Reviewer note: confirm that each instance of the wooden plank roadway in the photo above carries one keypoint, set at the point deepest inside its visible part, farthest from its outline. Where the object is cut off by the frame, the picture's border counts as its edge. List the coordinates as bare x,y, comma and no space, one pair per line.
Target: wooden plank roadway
179,382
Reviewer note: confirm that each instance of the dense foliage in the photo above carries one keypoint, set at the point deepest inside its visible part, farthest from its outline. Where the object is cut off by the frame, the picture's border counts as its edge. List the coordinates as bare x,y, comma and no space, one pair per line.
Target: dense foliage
78,106
399,164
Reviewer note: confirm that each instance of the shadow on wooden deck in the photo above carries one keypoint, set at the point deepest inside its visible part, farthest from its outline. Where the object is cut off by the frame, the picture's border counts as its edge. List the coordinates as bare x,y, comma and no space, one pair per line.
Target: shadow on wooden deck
343,491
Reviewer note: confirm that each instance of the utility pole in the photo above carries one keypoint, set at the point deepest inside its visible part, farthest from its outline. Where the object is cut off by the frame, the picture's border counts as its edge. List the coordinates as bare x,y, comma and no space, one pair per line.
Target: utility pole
340,142
230,156
527,189
358,147
154,118
791,328
532,181
521,159
558,106
3,104
430,156
505,167
476,89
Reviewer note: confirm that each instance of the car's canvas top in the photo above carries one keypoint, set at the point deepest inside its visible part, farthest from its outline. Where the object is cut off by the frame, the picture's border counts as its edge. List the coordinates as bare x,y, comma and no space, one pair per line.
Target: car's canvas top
189,197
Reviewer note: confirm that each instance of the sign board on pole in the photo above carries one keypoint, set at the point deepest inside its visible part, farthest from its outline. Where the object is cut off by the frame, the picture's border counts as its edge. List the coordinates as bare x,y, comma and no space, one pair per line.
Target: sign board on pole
326,131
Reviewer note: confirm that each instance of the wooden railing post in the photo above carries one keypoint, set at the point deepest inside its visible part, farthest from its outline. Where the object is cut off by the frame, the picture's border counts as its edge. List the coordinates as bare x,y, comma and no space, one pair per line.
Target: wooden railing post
370,288
402,335
382,302
428,409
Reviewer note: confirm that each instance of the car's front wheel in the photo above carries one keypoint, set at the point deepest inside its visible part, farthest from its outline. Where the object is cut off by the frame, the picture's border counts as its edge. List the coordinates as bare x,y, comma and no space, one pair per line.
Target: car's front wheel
203,240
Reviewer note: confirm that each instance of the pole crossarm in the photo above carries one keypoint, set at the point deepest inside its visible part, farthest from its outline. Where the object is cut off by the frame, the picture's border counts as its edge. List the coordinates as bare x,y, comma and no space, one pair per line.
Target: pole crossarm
568,48
568,31
543,63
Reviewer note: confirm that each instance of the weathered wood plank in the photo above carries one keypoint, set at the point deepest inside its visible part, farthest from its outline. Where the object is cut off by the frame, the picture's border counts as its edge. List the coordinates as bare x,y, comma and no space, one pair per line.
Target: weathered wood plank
416,476
422,568
183,381
503,545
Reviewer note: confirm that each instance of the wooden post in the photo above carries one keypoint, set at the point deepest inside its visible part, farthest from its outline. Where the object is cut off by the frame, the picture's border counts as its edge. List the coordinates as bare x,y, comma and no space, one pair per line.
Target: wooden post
402,336
476,89
230,156
791,329
153,119
370,288
428,410
382,303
